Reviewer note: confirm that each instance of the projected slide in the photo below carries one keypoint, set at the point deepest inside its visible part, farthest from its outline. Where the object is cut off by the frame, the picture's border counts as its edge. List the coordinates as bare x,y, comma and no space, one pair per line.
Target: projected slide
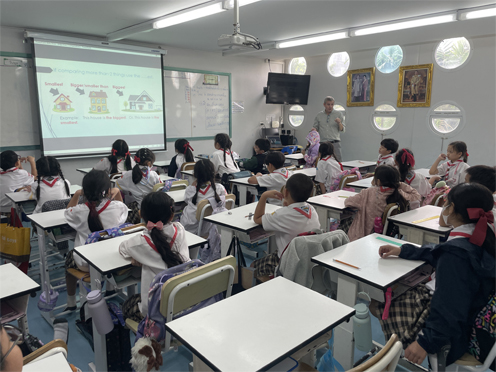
89,97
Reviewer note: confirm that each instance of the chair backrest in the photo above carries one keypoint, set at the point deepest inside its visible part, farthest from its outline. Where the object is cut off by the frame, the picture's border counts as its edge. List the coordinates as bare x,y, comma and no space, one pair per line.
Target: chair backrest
188,166
438,200
115,176
388,361
158,187
179,185
51,348
291,168
129,229
369,364
346,180
391,210
204,209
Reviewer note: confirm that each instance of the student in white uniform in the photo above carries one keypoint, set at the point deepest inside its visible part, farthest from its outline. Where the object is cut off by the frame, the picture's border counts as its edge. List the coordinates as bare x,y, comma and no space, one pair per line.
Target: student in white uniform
328,168
13,178
277,177
223,158
295,217
51,183
405,161
162,246
140,181
386,153
119,161
454,170
103,209
184,154
204,187
486,176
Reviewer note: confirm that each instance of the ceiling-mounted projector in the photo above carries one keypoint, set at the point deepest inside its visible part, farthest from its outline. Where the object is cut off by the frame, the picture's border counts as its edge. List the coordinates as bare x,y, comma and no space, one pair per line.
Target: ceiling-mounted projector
238,39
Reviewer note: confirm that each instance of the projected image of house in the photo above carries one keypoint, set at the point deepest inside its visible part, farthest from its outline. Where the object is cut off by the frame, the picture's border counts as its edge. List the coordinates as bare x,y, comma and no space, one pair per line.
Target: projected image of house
98,102
62,104
142,102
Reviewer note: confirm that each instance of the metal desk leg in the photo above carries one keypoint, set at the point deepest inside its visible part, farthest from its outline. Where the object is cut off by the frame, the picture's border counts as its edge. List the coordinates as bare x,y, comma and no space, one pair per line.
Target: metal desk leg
44,273
242,194
226,235
323,218
99,344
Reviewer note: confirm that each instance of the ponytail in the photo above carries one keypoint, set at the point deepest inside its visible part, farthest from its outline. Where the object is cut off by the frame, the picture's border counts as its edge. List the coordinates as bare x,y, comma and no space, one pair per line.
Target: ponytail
390,177
120,149
183,147
48,166
225,143
142,157
204,173
326,149
405,160
460,146
96,185
38,191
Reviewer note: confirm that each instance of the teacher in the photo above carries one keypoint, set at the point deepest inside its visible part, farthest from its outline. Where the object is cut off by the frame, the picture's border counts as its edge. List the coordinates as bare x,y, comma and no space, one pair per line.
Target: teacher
329,123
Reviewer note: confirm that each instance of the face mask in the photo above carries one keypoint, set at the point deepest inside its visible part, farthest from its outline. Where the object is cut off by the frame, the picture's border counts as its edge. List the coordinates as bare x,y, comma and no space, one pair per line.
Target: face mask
445,218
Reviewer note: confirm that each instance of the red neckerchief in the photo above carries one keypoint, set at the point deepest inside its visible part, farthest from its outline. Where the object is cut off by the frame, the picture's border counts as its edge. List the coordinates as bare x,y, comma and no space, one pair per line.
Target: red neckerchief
118,161
408,181
103,208
284,175
462,234
325,159
8,171
341,165
450,165
226,151
383,157
206,189
307,213
50,184
150,243
384,189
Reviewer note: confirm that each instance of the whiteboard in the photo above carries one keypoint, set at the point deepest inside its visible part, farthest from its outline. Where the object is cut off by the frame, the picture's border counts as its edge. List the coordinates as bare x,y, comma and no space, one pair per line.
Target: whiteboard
197,103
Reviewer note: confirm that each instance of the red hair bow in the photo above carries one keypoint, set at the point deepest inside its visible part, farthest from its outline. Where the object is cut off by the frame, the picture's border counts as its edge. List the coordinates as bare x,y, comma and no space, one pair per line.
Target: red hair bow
484,218
466,153
136,159
187,145
128,153
407,158
150,225
114,152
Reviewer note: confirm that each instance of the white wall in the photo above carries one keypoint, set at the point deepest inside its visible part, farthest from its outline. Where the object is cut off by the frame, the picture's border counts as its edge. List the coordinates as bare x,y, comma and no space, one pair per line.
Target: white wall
249,76
472,87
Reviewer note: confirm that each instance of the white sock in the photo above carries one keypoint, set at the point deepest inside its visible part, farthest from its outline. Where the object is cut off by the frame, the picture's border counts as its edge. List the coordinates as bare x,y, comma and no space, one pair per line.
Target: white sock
71,300
61,329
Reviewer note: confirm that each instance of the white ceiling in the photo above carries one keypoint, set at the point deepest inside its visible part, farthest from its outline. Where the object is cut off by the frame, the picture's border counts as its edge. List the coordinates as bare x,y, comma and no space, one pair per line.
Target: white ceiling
269,20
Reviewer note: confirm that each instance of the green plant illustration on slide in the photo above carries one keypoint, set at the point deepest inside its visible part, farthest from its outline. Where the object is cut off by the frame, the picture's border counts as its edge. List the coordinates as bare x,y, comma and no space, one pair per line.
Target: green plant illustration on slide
63,104
99,102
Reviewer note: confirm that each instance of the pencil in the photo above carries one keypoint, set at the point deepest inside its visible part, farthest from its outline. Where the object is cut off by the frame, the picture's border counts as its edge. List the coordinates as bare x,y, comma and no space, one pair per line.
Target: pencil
347,264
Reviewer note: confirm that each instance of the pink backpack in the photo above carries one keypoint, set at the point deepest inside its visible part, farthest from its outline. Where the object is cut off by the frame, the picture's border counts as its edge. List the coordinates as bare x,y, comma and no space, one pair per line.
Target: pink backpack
353,171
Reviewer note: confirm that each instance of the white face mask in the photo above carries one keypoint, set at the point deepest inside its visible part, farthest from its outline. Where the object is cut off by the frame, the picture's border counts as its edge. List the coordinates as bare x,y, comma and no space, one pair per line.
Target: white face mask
445,218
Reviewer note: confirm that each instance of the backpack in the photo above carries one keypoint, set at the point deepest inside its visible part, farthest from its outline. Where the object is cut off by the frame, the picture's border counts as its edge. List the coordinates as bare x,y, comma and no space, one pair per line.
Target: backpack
113,232
348,172
483,335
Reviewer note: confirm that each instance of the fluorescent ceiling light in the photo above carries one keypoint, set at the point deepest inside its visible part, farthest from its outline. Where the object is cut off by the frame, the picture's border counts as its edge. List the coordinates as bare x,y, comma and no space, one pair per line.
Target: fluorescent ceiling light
313,39
189,15
477,13
394,26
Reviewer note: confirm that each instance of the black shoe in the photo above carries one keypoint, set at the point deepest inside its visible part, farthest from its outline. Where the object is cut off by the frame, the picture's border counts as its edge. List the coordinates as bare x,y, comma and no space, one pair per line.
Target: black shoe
70,308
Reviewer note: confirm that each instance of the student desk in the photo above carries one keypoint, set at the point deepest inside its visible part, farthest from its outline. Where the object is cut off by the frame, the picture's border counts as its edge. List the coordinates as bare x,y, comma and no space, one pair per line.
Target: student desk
362,165
164,177
417,229
177,195
364,183
162,163
103,258
203,156
374,276
188,175
56,362
295,158
289,318
310,172
330,205
84,170
235,222
15,289
243,187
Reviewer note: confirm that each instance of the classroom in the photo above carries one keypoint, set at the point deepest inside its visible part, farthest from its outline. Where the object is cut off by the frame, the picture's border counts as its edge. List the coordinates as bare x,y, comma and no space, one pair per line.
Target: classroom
419,72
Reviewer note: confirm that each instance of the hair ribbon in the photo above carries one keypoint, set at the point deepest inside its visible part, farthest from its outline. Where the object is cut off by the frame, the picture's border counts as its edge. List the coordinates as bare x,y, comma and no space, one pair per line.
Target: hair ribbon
127,154
114,152
187,145
480,231
407,158
150,225
136,159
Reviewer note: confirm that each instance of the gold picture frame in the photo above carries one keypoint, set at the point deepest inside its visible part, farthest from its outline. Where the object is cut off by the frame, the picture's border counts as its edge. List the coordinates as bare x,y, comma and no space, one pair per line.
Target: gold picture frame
415,85
360,90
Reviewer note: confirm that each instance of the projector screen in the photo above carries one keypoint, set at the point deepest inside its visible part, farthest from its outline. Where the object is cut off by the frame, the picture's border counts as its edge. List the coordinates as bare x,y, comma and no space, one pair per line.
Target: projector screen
90,96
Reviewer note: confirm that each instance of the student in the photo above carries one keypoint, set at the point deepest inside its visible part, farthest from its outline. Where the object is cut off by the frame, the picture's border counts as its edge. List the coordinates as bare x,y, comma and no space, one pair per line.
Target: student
256,163
162,246
295,217
51,183
119,161
386,153
141,180
184,154
311,151
277,177
204,187
372,202
455,168
103,209
486,176
13,178
328,168
405,161
465,276
223,158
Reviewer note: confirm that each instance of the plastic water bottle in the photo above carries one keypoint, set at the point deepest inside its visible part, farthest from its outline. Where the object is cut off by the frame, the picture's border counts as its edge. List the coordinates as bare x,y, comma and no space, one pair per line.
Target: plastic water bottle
362,328
97,307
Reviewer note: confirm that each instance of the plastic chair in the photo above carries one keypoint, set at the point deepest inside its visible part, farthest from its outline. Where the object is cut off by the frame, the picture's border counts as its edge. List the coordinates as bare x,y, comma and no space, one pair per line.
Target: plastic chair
176,185
466,363
391,210
385,360
346,180
204,209
115,176
53,347
187,166
438,200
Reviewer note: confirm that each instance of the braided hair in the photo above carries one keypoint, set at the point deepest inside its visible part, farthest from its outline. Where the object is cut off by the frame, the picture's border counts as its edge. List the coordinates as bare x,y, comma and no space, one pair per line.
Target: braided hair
390,177
142,158
225,143
204,172
403,167
182,147
96,187
120,149
48,166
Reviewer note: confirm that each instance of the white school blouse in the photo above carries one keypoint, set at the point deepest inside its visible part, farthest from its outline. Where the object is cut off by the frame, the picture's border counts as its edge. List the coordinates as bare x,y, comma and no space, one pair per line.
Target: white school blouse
138,190
275,181
51,188
111,212
10,180
188,218
385,160
106,166
453,173
218,160
288,222
419,183
328,170
142,249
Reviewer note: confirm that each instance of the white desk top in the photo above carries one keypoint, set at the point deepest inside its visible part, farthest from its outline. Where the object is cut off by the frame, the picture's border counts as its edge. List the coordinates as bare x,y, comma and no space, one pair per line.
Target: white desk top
104,255
84,170
14,283
162,163
177,195
364,253
358,163
237,220
47,220
288,315
424,171
188,172
426,211
56,362
294,156
164,177
332,200
310,172
364,183
242,181
24,196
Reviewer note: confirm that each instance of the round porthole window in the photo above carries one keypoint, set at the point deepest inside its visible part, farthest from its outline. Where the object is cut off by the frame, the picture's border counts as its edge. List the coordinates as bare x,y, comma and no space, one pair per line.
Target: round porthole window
338,64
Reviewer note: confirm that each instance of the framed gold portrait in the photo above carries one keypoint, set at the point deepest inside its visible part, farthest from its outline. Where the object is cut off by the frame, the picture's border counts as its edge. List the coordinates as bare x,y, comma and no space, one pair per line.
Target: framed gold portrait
414,86
361,87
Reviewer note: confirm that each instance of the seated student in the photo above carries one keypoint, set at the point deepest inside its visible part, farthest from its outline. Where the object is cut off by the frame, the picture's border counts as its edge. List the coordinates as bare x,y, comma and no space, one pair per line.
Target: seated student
405,162
465,276
486,176
204,187
162,246
256,163
295,217
103,209
386,153
372,202
455,168
311,151
51,183
328,168
184,154
223,158
13,177
277,177
141,180
119,161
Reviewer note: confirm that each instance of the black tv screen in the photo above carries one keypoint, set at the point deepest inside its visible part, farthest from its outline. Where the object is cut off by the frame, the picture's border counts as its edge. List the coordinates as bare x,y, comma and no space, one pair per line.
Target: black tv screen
287,89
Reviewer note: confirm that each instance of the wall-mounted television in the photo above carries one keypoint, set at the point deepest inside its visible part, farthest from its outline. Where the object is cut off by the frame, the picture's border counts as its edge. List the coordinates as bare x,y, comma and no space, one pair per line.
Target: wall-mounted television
287,89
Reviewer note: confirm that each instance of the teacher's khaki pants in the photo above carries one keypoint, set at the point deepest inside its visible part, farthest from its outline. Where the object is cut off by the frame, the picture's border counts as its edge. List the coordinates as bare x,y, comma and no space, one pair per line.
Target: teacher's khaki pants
337,150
